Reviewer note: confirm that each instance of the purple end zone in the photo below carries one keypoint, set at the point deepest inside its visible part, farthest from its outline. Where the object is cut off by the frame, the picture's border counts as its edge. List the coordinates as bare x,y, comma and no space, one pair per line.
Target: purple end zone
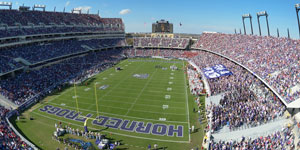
114,123
62,112
72,115
143,129
125,127
100,121
159,129
82,119
46,108
178,131
53,110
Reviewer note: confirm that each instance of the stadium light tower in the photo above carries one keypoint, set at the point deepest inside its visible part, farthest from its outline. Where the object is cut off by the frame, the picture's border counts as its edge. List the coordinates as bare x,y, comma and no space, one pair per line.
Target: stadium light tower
244,17
259,14
297,6
277,32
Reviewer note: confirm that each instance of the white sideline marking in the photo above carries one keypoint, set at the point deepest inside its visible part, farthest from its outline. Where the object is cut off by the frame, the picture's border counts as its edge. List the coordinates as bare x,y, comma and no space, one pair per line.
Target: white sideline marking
187,103
112,132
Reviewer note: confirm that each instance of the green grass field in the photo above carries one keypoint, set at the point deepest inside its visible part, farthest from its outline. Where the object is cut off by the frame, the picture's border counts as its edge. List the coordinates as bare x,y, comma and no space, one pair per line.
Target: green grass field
161,98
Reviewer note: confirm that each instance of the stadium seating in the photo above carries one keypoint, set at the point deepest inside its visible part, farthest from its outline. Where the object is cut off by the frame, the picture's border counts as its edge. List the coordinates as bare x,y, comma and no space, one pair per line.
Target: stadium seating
245,99
19,23
278,140
45,51
9,140
39,81
276,60
161,42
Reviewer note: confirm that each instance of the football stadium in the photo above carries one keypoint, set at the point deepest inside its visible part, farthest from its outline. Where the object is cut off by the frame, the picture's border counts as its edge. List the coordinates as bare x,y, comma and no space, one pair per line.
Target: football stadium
90,75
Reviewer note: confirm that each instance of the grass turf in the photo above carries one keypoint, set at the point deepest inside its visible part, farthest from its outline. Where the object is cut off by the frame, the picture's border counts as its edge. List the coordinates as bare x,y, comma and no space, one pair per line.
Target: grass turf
127,98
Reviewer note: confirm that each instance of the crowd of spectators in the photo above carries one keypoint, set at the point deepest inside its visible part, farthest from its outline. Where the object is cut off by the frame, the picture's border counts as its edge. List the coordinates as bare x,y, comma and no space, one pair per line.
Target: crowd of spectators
9,140
38,22
283,139
155,52
40,80
195,82
44,51
245,102
12,32
276,60
161,42
8,64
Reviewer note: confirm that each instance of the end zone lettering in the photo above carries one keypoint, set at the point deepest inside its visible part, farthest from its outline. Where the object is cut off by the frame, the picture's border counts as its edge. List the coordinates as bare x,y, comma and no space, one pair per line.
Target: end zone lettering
117,123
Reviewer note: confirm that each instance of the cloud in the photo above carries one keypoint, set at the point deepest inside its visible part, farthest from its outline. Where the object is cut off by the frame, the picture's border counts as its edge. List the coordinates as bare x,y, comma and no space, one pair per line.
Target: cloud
125,11
67,4
83,9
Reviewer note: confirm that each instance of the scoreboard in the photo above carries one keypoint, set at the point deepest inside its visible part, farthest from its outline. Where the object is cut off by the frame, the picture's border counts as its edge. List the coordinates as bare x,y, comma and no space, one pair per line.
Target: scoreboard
162,26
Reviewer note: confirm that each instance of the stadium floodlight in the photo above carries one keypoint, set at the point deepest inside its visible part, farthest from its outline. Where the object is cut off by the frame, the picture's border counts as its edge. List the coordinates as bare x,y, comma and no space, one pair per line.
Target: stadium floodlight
250,17
9,4
288,32
259,14
297,6
277,32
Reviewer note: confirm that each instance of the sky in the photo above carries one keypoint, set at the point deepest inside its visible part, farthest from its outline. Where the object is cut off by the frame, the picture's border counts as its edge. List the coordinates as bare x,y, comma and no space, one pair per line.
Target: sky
195,16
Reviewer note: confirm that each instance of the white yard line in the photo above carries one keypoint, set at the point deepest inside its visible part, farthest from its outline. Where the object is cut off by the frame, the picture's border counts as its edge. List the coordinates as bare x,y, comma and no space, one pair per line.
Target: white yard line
122,115
118,108
187,102
116,85
106,100
127,135
142,99
141,92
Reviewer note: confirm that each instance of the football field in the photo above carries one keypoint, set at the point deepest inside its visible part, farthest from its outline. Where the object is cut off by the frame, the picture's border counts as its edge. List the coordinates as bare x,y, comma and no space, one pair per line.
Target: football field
144,101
